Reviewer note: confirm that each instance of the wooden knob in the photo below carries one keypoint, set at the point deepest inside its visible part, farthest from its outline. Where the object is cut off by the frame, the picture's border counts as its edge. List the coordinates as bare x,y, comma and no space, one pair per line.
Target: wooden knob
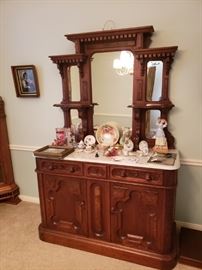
148,177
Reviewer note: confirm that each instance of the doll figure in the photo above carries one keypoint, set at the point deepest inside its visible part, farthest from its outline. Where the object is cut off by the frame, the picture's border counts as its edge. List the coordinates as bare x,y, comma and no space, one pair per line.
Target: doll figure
160,138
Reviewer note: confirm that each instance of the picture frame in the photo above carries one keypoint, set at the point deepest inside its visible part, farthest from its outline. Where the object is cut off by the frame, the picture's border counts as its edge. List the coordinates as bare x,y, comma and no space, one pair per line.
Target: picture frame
51,151
26,81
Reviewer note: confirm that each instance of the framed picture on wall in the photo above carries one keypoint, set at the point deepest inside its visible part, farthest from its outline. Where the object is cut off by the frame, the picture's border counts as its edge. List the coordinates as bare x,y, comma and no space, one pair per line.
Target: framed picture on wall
25,81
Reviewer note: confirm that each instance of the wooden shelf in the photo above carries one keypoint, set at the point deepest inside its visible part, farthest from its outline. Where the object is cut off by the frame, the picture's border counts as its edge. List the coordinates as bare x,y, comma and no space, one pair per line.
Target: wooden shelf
75,105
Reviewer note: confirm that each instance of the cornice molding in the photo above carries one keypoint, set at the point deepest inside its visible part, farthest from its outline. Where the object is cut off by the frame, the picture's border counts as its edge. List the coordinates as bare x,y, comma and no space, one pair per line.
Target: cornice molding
112,35
69,59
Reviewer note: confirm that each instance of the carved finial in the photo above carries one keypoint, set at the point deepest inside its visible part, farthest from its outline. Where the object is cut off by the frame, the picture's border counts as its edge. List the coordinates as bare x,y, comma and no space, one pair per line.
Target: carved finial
109,25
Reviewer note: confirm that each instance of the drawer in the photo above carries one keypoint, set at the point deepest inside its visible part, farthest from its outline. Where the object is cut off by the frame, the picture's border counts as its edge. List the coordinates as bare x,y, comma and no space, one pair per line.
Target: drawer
70,168
136,175
95,170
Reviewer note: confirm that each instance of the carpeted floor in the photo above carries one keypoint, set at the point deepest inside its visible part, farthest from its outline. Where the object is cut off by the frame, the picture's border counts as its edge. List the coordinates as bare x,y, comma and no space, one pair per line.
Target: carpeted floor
21,249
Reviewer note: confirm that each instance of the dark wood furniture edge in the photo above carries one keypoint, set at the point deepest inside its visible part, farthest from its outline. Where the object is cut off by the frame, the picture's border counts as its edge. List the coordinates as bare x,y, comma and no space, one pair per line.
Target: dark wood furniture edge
191,262
160,261
9,190
188,255
9,193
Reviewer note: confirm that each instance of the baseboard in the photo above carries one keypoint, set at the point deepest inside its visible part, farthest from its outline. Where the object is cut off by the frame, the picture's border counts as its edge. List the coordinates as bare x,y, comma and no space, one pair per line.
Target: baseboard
29,199
188,225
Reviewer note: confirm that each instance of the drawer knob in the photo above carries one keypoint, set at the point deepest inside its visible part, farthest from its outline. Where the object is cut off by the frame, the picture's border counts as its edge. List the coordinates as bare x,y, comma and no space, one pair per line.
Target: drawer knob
50,167
123,174
148,177
72,170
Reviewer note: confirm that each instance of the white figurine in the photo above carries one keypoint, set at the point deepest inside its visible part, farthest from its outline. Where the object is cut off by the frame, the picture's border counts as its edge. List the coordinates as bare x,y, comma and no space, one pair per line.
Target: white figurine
127,147
81,145
160,138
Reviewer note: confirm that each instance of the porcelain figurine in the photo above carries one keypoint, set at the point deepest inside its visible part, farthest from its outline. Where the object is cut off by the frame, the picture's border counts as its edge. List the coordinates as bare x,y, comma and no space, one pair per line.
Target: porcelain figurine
160,138
81,145
144,148
127,147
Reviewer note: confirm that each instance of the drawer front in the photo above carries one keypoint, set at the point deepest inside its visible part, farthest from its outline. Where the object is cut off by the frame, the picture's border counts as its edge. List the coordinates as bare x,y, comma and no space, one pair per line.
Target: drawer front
136,175
95,170
69,168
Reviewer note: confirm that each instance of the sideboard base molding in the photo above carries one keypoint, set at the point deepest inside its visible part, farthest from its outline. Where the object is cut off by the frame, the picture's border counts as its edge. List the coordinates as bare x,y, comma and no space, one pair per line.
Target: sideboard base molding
151,259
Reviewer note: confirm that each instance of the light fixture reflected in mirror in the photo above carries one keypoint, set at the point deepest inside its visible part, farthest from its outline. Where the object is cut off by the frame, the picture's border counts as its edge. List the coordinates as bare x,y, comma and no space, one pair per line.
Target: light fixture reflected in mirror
124,64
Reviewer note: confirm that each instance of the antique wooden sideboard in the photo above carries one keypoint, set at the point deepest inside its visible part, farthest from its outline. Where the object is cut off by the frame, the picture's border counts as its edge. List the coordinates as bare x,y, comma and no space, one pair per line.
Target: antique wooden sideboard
124,209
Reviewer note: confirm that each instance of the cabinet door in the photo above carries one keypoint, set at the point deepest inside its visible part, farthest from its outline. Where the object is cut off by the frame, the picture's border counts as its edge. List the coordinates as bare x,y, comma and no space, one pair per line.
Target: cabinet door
98,209
135,216
65,203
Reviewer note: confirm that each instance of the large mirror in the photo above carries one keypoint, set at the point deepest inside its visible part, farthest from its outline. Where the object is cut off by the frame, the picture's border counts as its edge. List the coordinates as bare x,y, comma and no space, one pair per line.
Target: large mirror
111,91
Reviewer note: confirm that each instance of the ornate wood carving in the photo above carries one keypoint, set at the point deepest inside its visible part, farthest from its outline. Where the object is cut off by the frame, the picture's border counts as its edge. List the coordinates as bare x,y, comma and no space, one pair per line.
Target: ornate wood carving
139,36
137,41
71,217
68,59
133,232
96,171
96,210
124,209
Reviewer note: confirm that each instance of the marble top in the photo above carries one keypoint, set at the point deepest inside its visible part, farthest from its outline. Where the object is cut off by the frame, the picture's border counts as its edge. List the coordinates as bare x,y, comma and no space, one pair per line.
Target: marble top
135,160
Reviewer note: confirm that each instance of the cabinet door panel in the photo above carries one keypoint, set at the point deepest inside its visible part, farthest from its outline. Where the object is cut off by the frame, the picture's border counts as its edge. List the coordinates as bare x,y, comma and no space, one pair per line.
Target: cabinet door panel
98,206
135,215
65,200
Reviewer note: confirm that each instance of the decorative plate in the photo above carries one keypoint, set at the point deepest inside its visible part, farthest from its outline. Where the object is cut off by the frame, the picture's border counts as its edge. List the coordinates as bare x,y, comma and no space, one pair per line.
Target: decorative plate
89,140
107,135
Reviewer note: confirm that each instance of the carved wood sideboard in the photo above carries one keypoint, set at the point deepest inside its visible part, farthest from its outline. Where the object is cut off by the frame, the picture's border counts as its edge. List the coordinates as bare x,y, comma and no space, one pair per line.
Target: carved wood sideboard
124,212
118,210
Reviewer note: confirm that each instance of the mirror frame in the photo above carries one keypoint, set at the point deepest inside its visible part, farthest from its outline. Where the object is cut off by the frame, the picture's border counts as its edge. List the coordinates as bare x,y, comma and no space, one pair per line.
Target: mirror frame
136,40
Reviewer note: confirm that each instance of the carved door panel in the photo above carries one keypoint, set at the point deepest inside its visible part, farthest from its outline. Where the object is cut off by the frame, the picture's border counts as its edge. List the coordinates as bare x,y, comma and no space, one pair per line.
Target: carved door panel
65,203
98,209
135,215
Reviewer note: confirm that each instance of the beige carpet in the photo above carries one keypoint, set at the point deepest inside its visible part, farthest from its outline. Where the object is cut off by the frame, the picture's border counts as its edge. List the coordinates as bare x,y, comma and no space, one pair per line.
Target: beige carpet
21,249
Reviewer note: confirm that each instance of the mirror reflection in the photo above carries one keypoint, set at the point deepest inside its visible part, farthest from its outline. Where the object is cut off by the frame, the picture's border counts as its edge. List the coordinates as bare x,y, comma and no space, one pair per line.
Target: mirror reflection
75,117
74,83
112,92
154,80
124,64
151,120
